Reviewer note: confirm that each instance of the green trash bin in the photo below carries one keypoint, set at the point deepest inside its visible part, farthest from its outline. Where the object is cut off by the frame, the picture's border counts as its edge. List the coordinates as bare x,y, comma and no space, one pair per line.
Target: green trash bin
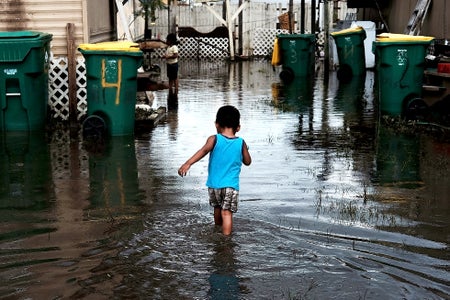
400,63
24,65
297,53
351,54
111,74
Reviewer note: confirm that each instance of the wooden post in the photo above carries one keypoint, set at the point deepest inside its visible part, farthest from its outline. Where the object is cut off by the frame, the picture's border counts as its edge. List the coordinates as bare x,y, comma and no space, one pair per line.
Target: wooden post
72,78
302,17
290,15
240,32
228,22
230,30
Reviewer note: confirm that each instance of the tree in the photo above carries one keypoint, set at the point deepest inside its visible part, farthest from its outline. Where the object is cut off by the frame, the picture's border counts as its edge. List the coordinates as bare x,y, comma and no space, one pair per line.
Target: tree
149,8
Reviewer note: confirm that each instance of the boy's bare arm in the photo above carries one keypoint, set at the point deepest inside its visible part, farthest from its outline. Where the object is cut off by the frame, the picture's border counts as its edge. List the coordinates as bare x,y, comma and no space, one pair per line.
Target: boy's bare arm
246,157
209,145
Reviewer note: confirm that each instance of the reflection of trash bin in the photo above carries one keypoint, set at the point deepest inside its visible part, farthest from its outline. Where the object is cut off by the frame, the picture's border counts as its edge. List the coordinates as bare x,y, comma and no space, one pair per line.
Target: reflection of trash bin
349,97
298,57
26,171
400,61
397,159
113,175
350,48
24,64
294,96
111,71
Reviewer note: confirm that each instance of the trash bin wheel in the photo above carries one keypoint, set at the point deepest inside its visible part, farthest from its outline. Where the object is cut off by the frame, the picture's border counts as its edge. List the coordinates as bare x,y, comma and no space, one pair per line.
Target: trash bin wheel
345,73
416,109
287,75
94,127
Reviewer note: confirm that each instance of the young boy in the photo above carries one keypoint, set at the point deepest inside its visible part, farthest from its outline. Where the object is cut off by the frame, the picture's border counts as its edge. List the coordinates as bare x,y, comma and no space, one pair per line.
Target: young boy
227,153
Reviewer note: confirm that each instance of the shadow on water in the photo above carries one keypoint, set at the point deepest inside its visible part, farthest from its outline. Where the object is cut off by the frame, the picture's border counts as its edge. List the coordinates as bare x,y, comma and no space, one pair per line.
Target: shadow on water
334,205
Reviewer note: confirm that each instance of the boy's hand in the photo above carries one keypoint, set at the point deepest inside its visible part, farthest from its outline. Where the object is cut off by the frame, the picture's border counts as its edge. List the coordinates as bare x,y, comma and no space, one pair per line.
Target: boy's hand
182,171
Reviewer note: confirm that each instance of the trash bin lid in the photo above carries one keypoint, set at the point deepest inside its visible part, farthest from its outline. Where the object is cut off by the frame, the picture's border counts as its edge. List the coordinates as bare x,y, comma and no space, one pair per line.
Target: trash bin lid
402,38
13,36
18,34
351,30
115,46
297,36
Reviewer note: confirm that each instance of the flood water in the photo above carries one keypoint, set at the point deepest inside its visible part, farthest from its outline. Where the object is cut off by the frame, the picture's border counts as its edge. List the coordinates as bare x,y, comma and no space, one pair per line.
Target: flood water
333,206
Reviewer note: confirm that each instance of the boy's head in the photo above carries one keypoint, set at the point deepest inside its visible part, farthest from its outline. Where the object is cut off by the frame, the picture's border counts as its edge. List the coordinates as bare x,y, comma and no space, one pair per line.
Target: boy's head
228,116
172,39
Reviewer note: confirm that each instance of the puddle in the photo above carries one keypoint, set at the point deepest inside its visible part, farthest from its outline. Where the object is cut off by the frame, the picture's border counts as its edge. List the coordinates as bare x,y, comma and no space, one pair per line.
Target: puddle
333,206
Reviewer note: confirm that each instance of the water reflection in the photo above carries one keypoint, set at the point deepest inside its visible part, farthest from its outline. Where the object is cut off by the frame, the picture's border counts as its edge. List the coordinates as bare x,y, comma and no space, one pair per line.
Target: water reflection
113,175
294,96
398,159
224,283
26,179
172,101
349,97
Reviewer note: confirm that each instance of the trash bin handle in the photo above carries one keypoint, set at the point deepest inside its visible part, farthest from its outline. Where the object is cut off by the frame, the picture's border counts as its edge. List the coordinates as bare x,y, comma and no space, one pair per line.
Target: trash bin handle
13,94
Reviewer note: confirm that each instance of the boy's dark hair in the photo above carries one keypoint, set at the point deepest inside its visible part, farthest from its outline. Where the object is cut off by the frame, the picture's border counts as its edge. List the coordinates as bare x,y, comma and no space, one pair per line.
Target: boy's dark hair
172,38
228,116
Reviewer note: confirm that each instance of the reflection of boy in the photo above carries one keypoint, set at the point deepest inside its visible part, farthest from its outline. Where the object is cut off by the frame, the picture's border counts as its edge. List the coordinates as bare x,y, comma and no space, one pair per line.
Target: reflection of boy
171,57
227,153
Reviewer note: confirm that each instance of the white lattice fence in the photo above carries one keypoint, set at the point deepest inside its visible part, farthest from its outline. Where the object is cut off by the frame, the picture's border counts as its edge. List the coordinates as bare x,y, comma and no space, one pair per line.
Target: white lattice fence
205,47
199,47
59,88
264,38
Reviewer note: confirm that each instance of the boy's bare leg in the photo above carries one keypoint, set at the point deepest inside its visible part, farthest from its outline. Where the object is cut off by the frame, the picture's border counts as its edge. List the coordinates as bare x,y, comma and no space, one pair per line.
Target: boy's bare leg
227,222
218,216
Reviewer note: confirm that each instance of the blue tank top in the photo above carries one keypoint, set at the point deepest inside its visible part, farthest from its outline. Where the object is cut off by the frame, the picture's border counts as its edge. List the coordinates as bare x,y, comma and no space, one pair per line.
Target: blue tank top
225,162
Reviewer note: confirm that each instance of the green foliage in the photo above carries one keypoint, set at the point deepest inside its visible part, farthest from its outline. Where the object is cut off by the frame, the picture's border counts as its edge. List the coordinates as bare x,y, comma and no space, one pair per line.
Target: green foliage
149,8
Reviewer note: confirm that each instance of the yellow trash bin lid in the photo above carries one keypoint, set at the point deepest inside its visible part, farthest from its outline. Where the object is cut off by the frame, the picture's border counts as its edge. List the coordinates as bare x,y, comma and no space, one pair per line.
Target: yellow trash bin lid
398,38
114,46
352,30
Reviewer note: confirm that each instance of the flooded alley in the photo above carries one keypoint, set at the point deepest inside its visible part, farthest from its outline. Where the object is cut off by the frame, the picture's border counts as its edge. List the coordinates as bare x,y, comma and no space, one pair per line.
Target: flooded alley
333,206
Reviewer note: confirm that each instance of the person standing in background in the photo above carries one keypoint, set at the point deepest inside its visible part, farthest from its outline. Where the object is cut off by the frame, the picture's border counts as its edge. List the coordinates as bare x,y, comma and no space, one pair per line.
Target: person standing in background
171,57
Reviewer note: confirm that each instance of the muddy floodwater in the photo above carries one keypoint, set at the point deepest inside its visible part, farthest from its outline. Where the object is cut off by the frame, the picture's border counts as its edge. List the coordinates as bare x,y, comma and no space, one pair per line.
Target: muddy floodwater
335,205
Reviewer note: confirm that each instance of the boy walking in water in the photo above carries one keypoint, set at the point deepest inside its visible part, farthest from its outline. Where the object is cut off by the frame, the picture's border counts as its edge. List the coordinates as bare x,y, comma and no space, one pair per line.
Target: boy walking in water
227,154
